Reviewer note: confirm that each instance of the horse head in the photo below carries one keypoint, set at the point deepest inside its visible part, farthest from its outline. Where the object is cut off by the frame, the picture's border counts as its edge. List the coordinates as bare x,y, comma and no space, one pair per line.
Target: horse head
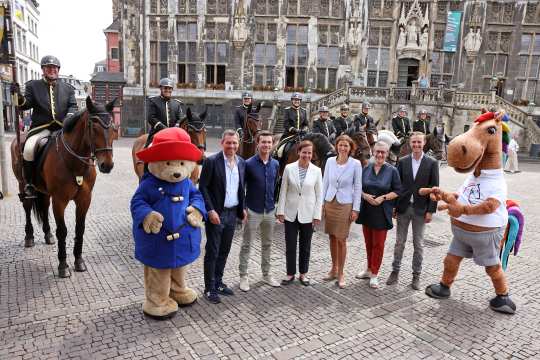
251,127
194,125
480,147
93,127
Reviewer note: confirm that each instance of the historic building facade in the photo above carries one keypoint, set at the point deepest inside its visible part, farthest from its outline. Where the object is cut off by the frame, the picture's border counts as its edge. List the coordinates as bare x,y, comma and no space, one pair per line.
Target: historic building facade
220,47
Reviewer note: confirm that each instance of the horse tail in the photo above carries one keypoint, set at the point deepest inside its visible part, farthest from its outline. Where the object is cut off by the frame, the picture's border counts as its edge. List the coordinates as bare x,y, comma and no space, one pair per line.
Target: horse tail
40,207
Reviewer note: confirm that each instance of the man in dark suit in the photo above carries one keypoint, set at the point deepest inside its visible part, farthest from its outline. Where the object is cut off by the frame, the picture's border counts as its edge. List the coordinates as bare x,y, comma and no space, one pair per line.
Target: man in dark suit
222,186
416,171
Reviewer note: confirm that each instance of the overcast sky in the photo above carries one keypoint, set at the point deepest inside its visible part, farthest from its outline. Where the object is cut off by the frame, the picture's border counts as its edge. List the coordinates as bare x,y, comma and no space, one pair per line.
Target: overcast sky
72,30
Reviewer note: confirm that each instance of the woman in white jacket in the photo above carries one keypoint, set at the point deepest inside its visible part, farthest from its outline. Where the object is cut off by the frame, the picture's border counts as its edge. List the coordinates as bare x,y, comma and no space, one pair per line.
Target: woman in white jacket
342,193
299,207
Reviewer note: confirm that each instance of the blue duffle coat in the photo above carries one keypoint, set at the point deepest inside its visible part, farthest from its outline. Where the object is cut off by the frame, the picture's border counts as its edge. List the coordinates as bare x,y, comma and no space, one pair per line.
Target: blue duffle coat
171,201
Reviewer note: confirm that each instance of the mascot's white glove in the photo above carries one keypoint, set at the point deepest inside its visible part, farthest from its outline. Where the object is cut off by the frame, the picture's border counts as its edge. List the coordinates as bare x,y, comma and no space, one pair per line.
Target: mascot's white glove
194,217
152,222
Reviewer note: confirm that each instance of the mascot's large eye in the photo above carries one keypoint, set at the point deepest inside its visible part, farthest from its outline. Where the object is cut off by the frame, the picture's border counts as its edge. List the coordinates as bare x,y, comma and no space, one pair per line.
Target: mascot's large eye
182,163
492,130
168,163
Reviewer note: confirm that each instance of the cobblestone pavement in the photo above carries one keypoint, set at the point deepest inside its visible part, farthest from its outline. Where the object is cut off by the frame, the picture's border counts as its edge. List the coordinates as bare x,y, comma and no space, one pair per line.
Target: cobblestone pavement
97,314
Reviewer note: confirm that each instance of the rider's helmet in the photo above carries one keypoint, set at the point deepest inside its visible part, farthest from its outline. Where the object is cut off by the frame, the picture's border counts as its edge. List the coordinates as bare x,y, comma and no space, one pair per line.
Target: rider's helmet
323,108
344,107
50,60
366,105
402,108
423,112
296,96
247,95
166,82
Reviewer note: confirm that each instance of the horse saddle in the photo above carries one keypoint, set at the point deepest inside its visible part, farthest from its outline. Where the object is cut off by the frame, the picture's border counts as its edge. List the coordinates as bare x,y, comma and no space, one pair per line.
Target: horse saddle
284,145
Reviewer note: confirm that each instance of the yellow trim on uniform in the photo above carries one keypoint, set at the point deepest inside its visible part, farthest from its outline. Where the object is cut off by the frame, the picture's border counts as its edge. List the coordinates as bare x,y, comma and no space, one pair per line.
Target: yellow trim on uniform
51,98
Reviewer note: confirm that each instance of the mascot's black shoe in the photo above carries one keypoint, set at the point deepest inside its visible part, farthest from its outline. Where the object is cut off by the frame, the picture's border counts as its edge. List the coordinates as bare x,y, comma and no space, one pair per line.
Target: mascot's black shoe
164,317
438,291
502,304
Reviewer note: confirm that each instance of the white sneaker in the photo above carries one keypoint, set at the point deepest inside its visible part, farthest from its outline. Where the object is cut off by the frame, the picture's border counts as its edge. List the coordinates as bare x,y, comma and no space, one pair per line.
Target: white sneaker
269,280
364,275
374,282
244,283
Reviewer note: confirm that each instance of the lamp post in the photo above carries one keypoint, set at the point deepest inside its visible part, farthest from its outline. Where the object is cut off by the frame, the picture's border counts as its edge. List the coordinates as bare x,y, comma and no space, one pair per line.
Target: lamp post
530,107
348,81
493,87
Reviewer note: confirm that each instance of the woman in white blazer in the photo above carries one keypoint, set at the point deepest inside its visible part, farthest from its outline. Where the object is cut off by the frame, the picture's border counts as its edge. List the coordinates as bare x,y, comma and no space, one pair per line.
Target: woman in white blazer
342,193
299,207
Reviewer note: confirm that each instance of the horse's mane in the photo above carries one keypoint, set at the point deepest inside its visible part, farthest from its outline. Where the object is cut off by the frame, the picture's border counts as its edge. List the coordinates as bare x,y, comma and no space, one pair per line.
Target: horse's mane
69,123
321,142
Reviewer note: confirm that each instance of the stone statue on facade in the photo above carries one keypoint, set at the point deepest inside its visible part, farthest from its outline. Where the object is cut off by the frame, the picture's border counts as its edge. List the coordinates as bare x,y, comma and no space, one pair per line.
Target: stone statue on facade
424,39
472,42
240,30
402,40
412,34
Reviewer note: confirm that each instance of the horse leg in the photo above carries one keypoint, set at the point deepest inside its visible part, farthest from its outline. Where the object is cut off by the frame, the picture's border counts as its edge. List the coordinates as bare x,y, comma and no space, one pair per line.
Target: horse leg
82,205
28,228
59,206
49,238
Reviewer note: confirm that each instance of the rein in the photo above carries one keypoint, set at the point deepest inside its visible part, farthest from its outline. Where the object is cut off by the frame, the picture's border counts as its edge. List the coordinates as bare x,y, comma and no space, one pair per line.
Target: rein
87,160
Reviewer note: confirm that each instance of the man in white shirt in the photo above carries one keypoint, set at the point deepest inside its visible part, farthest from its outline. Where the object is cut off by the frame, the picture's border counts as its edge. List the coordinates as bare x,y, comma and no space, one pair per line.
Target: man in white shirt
512,162
416,171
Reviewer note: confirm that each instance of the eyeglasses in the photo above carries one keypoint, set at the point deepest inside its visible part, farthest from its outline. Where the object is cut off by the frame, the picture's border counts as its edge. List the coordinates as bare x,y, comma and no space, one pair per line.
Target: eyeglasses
381,152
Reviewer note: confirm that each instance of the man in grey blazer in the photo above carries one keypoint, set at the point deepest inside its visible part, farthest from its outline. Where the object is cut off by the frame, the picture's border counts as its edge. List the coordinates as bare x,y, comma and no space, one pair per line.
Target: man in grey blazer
416,171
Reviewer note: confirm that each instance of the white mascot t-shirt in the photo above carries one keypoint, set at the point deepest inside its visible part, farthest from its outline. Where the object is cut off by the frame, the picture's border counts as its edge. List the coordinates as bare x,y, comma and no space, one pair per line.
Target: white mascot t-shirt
475,190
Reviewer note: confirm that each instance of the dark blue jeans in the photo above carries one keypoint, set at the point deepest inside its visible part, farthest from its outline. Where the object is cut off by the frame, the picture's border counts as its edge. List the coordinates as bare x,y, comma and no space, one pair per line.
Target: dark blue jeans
218,245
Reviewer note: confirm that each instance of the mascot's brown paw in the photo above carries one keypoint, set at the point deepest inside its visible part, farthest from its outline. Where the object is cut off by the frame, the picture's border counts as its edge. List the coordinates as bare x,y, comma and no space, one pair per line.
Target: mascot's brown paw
152,222
194,217
163,312
184,298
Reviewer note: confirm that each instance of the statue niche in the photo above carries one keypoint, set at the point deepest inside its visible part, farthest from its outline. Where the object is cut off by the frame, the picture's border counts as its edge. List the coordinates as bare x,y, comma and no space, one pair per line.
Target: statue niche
413,39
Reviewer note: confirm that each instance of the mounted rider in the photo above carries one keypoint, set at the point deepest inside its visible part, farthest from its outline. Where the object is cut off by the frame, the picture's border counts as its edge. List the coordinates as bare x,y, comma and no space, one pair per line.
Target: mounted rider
422,124
401,124
362,120
323,125
51,102
343,122
241,112
295,118
163,111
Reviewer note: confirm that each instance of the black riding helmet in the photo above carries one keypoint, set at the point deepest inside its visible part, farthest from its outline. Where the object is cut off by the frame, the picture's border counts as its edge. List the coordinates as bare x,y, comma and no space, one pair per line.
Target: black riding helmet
50,60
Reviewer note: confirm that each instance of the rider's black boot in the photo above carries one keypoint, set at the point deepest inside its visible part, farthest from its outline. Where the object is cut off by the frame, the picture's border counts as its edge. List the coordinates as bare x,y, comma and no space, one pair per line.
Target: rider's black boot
28,173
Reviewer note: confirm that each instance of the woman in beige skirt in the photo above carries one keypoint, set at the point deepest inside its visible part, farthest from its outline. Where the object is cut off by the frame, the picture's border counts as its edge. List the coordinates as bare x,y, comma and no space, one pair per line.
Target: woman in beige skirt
342,193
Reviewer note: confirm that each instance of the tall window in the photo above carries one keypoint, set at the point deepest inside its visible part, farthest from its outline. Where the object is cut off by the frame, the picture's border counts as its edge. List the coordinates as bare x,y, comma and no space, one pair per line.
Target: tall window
159,51
216,59
186,7
265,54
327,57
296,56
267,7
378,56
529,68
214,7
496,56
380,8
187,52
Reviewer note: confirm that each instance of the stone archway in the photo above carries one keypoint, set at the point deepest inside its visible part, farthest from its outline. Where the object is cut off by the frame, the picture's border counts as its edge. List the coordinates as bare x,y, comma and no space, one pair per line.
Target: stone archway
408,71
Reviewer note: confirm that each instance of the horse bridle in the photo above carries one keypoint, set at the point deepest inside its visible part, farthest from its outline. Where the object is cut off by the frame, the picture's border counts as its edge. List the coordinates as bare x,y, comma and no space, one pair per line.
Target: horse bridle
89,160
193,126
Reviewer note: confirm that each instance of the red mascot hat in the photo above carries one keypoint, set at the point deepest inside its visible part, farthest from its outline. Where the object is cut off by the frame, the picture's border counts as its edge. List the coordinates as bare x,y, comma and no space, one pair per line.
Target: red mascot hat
170,144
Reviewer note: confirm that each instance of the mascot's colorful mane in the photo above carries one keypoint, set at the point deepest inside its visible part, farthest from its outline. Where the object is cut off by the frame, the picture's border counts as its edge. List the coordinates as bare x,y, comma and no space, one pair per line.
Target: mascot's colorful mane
516,221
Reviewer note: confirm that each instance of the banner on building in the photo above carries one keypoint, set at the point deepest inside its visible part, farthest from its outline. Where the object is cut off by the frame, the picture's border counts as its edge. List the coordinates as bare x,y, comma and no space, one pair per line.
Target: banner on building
4,45
19,11
451,36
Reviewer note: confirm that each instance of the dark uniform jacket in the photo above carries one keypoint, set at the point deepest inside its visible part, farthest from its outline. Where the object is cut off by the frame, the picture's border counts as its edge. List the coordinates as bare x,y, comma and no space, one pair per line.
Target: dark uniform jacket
294,118
359,121
163,113
342,124
240,114
427,176
50,104
324,127
401,126
421,126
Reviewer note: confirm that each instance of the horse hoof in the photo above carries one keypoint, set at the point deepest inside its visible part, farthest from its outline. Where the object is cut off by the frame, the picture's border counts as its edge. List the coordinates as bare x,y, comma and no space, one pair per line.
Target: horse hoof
29,242
80,266
49,239
63,271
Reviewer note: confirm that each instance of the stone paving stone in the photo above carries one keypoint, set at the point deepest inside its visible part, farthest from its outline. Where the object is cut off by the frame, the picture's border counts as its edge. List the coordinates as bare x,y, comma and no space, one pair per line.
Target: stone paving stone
97,314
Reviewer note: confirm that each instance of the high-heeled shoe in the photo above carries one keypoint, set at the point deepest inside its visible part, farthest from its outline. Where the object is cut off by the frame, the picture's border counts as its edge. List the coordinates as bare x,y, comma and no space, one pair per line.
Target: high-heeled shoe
331,276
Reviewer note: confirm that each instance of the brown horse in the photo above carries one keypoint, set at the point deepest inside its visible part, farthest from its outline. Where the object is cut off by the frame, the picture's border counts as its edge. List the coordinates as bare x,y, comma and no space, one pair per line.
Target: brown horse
322,150
364,139
194,126
248,140
67,172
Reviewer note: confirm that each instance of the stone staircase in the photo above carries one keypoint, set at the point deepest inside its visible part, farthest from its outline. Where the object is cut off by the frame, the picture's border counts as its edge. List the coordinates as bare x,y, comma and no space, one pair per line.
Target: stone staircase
463,105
